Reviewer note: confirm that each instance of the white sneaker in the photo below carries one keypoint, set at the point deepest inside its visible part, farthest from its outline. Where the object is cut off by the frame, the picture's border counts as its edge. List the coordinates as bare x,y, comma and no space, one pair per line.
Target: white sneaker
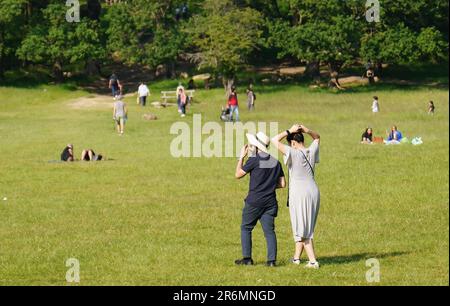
183,115
296,261
312,265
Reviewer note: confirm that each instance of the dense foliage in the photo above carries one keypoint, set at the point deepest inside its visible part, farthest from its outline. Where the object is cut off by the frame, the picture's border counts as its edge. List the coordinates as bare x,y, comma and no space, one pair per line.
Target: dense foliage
220,36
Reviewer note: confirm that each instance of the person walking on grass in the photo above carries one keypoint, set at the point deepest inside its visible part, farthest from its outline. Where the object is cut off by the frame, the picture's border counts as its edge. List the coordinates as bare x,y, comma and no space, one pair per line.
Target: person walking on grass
115,85
182,101
179,89
120,114
266,175
143,93
304,195
431,108
233,104
251,98
375,105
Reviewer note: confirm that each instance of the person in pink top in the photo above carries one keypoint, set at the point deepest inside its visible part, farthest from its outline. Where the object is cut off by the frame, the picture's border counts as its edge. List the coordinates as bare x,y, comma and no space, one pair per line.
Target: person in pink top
182,101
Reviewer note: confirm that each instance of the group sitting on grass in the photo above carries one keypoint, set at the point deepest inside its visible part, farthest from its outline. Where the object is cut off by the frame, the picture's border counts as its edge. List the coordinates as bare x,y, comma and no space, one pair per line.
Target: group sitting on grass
393,137
87,155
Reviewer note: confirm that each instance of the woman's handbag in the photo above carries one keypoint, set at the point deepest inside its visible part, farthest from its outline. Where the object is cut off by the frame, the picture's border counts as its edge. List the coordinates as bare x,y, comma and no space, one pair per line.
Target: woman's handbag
312,170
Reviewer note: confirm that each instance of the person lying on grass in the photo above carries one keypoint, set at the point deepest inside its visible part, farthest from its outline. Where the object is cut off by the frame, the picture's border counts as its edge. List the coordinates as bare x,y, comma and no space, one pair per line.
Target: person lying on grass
89,155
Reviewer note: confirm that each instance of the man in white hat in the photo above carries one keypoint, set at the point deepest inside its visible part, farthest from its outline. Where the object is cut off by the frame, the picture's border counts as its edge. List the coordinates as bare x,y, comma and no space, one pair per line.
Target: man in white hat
266,175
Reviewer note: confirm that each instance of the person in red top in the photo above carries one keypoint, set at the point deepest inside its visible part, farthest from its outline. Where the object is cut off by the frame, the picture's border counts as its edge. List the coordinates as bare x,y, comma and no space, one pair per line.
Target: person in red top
233,104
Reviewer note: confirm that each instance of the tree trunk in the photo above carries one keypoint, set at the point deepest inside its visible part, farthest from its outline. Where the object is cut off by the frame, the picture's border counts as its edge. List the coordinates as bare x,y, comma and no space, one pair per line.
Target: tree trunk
228,83
313,70
58,72
92,68
334,69
171,70
379,69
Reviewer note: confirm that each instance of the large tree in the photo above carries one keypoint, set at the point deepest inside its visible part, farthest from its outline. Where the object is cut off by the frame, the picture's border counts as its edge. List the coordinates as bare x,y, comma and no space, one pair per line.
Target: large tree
336,32
147,32
314,32
408,31
224,35
56,42
10,29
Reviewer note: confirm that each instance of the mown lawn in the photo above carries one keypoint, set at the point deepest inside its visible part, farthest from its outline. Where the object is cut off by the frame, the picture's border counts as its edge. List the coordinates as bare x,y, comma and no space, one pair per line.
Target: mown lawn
146,218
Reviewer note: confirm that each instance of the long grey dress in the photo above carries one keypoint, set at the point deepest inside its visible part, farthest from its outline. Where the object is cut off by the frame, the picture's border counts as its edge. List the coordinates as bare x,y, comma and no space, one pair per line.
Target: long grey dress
304,195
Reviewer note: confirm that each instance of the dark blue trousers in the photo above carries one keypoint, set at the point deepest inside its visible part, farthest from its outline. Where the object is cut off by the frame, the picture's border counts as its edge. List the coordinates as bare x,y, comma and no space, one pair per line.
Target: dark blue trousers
266,216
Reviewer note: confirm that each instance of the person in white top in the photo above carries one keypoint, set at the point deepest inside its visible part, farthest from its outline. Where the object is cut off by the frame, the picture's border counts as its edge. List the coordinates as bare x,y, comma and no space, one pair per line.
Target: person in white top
375,105
143,93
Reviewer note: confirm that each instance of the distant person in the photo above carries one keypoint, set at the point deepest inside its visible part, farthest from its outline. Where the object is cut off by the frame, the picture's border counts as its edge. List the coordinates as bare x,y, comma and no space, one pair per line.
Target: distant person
367,136
143,93
89,155
185,11
251,98
182,101
191,85
369,65
370,72
394,136
179,88
67,154
266,176
120,114
431,108
233,104
371,76
114,85
177,14
375,105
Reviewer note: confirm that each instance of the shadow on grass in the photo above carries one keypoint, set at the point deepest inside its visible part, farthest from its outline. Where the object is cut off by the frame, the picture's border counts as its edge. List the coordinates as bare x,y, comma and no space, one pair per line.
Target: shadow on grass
348,259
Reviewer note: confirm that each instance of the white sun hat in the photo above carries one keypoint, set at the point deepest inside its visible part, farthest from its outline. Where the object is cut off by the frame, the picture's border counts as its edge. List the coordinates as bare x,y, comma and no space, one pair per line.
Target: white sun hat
260,140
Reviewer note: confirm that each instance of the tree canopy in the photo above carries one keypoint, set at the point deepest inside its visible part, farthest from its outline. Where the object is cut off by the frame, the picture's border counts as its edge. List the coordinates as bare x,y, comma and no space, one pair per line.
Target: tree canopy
220,36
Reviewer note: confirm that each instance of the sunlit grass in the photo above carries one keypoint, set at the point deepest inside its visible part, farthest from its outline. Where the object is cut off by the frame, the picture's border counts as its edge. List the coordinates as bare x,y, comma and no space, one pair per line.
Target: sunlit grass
146,218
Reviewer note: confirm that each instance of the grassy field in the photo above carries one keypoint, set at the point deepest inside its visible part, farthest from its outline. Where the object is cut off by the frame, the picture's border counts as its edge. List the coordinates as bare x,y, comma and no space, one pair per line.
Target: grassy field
146,218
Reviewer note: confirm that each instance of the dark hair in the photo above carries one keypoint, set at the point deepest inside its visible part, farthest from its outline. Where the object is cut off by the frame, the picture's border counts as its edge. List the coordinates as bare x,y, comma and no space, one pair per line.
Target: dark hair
376,97
298,137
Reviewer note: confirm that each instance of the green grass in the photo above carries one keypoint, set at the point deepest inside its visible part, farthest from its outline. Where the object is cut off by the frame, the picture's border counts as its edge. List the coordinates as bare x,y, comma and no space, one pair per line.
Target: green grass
145,218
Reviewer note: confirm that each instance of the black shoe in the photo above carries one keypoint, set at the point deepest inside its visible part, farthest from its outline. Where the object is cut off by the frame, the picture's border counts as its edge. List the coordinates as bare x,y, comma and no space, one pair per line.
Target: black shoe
244,262
271,264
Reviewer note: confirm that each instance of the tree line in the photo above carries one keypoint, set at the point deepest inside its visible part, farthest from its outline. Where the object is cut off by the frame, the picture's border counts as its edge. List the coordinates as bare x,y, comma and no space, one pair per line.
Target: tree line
222,36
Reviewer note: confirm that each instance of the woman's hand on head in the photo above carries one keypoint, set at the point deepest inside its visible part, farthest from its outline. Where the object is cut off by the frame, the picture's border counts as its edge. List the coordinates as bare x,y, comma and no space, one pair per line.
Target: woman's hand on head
295,128
304,129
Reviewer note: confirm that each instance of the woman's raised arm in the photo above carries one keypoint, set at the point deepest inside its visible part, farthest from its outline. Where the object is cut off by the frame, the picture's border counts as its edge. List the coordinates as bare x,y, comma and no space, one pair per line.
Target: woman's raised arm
314,135
276,141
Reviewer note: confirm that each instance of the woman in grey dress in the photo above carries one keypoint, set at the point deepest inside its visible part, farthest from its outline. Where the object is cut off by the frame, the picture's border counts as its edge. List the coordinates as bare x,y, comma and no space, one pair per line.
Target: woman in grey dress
304,195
